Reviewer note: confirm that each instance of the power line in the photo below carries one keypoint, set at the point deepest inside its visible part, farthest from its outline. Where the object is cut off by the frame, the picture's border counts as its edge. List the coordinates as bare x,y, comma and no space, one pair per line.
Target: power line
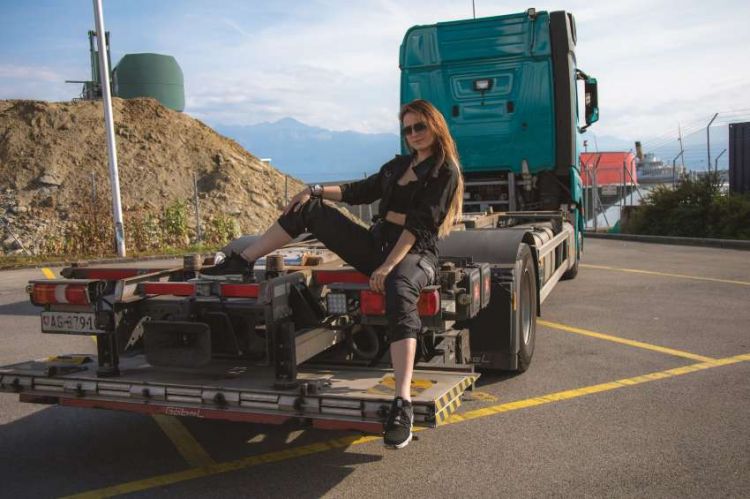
668,142
664,142
688,129
695,126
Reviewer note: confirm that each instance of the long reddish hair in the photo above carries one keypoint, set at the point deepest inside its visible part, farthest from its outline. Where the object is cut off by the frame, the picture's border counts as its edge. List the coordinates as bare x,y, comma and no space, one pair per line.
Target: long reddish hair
444,149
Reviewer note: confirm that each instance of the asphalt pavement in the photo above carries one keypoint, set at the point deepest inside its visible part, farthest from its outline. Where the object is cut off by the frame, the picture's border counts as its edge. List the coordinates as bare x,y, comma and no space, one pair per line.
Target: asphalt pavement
639,387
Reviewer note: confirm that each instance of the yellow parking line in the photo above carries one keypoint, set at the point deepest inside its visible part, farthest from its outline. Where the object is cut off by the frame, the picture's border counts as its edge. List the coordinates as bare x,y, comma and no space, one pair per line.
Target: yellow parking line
483,396
632,343
588,390
48,273
344,442
215,469
183,440
664,274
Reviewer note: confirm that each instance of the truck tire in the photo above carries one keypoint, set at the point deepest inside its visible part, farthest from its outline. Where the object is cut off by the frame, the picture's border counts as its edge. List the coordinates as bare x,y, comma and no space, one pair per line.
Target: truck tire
572,272
527,306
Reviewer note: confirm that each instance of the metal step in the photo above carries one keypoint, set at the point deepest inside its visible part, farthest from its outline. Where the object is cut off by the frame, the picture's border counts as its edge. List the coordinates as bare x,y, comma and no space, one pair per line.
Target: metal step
341,398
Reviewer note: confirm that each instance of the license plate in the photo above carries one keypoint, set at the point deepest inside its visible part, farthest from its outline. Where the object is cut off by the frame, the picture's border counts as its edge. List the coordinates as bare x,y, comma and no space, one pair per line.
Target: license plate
69,322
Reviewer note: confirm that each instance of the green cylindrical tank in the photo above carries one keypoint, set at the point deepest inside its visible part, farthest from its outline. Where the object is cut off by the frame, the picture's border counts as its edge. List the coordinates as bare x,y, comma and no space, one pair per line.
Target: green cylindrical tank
150,75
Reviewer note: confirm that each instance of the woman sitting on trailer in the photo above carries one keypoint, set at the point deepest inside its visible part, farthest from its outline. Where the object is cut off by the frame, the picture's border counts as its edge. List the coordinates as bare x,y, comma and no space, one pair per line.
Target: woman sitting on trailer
420,197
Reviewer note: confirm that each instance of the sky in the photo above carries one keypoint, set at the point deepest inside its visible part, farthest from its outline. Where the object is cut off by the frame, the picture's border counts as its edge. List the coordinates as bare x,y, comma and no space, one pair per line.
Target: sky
334,64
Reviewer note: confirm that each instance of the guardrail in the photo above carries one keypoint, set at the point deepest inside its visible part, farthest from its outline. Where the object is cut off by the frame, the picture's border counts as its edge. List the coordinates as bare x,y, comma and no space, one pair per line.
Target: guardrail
738,244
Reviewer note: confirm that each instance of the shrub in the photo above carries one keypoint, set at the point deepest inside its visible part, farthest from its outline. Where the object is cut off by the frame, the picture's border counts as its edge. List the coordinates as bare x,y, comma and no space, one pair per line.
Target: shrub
696,208
143,231
90,232
174,223
91,229
221,229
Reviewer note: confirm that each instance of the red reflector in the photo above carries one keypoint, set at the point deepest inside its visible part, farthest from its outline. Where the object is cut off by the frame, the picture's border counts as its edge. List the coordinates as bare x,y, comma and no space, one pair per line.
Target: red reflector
169,288
240,290
371,303
46,294
429,302
343,276
76,295
43,294
475,292
487,285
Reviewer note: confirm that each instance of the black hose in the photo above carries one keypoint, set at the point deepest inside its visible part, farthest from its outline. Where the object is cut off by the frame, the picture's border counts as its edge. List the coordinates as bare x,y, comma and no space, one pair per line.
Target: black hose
372,344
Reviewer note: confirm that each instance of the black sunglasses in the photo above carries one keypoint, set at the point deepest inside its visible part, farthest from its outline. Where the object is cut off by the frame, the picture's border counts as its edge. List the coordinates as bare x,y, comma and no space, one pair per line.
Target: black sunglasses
415,128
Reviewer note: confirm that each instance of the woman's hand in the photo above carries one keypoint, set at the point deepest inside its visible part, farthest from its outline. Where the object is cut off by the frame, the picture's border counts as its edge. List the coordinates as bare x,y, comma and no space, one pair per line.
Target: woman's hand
298,200
377,278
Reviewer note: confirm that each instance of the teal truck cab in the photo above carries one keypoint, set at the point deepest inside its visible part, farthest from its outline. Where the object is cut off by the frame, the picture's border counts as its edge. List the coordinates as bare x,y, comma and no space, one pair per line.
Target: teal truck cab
507,86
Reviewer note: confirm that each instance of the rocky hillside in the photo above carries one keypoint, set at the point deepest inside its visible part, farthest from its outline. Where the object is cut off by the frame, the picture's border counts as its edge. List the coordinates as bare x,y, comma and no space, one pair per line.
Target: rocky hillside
53,157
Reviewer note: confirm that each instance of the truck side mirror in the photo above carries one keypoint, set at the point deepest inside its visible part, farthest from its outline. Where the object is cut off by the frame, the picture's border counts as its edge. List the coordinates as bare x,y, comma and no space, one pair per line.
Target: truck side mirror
592,101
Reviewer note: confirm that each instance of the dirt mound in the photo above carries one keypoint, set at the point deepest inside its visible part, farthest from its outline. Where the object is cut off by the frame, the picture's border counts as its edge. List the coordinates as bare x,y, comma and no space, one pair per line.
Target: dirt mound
53,157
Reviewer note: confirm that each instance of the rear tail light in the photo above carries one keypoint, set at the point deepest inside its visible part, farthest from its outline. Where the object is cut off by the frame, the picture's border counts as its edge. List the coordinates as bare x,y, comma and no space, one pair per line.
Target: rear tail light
486,277
49,294
429,302
169,288
372,303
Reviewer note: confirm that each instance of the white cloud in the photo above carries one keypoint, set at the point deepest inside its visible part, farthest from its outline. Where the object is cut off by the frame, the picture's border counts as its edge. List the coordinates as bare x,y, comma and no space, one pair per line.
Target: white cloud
334,64
340,71
29,73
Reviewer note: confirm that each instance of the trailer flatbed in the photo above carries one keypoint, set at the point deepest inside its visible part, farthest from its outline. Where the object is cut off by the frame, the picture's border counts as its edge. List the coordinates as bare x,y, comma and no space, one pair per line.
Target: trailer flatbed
343,398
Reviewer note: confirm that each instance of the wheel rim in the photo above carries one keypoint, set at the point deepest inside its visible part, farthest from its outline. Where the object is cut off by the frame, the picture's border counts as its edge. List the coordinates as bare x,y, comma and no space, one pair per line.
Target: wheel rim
526,301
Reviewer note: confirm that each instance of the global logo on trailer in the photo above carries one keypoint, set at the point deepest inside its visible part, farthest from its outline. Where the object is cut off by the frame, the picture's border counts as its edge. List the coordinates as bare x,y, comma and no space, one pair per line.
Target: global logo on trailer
181,411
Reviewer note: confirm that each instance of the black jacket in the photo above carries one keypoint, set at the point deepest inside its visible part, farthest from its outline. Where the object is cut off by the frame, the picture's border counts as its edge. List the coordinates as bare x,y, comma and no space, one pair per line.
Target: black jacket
429,204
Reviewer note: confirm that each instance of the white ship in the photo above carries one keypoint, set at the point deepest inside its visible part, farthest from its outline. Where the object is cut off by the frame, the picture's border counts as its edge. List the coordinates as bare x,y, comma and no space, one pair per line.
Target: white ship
652,170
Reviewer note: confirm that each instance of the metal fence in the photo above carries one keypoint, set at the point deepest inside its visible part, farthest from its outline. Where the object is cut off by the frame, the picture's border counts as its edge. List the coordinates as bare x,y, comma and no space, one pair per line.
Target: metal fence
607,193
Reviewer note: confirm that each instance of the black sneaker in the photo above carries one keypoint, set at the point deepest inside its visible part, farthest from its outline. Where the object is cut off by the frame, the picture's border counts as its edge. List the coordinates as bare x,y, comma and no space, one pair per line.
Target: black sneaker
233,264
398,426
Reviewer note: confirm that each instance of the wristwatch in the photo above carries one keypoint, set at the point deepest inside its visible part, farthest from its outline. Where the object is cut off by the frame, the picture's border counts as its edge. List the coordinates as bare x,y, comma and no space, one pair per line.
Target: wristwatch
316,191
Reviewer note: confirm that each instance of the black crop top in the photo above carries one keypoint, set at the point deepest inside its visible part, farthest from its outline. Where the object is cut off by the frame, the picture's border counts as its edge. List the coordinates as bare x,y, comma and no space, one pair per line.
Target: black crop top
401,199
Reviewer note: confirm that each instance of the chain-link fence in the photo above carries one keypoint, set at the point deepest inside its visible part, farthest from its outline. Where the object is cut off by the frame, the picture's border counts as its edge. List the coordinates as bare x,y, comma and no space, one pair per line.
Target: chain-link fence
608,191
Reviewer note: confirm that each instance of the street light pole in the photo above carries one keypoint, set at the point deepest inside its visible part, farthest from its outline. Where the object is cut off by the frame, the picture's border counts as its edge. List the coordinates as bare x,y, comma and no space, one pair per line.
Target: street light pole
682,150
674,168
716,161
708,141
109,128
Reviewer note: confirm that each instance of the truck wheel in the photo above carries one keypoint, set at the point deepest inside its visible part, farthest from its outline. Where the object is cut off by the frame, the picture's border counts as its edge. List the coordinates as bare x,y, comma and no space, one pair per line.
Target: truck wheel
527,307
573,271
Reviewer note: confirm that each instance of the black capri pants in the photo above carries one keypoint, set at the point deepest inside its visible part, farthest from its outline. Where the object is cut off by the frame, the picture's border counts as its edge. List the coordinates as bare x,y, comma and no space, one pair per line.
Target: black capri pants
366,250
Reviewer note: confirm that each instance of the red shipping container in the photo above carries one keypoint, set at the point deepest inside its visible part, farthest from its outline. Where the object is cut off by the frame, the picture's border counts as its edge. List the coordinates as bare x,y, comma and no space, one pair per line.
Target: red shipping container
608,168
